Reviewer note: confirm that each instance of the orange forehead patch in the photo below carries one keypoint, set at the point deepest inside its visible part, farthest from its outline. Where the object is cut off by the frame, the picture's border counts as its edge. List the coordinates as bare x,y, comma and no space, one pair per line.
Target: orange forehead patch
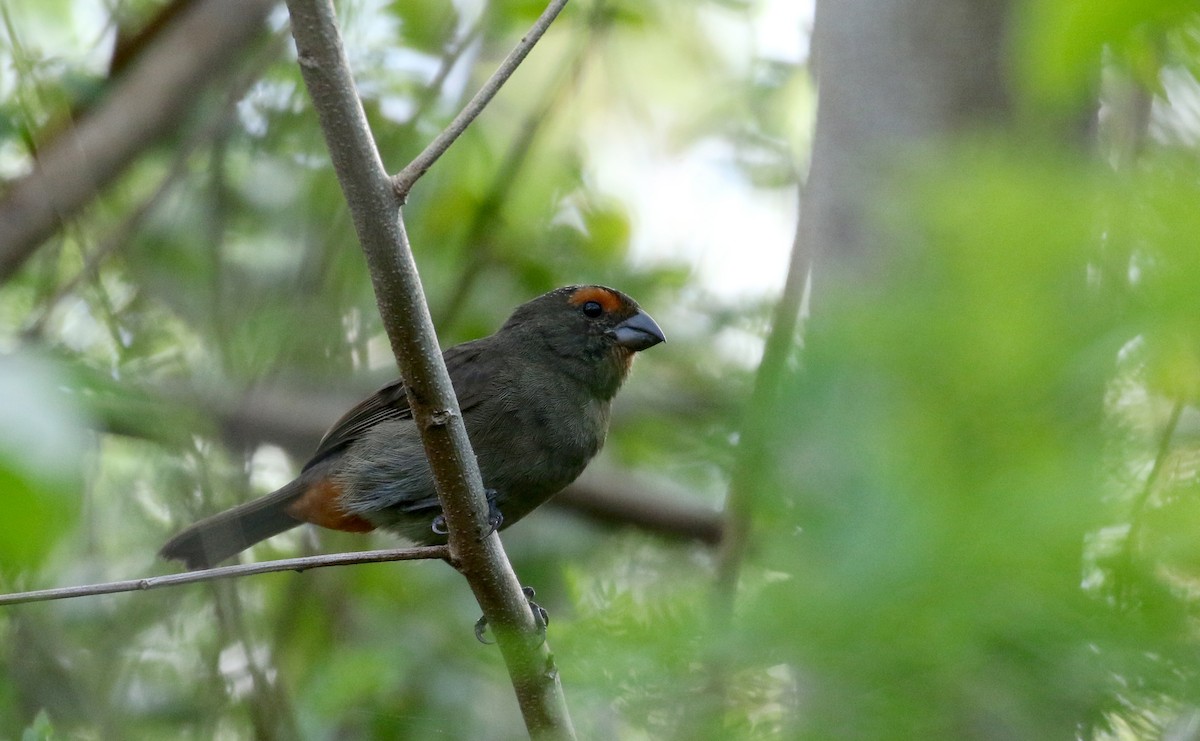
608,300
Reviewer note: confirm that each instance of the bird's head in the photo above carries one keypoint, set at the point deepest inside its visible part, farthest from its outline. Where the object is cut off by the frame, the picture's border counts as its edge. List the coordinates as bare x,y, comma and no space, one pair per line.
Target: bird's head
592,331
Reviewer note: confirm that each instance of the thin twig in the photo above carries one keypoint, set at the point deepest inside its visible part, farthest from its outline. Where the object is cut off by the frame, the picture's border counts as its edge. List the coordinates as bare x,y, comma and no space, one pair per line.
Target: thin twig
229,572
450,59
479,251
1160,458
406,178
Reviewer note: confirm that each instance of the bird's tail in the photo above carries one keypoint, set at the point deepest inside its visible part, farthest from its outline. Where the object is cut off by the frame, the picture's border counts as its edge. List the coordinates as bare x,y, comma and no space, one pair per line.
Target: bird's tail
216,538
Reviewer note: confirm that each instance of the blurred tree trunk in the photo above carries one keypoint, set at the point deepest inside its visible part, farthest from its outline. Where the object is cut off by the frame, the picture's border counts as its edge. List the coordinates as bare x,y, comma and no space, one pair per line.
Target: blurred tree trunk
891,75
902,83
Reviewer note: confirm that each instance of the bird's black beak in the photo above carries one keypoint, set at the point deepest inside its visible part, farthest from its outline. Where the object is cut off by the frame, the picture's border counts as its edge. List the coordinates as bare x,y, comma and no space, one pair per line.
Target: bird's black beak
638,332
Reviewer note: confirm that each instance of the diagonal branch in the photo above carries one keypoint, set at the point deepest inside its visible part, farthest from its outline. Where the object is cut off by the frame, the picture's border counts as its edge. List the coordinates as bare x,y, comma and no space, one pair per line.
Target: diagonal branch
498,192
1138,507
406,178
122,234
144,106
747,476
374,206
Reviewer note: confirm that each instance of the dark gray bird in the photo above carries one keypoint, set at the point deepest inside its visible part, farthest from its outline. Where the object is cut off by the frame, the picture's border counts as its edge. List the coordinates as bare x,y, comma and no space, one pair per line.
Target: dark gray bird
535,398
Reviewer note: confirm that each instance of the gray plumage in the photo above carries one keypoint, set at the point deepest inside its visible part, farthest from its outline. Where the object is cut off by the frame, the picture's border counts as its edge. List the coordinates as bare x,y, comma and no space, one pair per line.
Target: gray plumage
535,399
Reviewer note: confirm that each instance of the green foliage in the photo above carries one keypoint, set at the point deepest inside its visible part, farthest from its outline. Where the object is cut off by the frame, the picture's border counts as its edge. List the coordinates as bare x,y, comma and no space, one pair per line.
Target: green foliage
243,277
40,730
1061,41
958,534
939,476
425,26
41,444
939,472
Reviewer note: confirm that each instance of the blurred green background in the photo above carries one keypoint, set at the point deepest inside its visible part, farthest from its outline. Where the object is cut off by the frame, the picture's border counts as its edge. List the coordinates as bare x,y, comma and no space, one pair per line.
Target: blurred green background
972,504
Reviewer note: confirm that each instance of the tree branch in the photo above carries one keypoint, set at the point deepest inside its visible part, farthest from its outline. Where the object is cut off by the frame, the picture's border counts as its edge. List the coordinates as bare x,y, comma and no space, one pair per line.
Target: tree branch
752,442
143,107
406,178
1138,506
123,233
229,572
747,476
374,206
627,502
477,248
430,93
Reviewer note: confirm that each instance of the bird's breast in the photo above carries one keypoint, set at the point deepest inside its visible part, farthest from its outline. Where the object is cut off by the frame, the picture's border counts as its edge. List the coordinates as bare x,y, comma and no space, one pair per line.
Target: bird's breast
536,441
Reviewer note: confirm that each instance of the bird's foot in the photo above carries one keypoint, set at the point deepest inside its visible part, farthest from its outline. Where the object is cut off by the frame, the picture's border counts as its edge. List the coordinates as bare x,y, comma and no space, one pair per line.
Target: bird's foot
480,629
541,619
495,518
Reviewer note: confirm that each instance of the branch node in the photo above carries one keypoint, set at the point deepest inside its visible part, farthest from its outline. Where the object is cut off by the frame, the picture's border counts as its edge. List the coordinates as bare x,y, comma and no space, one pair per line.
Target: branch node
402,184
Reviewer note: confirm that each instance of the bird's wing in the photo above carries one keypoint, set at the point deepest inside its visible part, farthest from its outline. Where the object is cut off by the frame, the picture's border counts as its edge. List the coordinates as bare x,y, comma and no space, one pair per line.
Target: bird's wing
469,375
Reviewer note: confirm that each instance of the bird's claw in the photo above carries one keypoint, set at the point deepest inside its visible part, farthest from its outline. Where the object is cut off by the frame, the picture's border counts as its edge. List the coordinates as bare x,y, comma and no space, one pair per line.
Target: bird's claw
480,629
541,619
439,525
495,518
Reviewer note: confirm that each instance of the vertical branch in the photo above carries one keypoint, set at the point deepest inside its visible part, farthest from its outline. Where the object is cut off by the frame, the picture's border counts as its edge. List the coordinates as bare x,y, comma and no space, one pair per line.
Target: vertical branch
375,208
744,485
1138,507
752,441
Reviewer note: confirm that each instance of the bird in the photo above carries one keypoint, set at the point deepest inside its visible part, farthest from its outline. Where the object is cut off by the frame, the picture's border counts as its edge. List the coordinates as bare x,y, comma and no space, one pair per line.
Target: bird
535,397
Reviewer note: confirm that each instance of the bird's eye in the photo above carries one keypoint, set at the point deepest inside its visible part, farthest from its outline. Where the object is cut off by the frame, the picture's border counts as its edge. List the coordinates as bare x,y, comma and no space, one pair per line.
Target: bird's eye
592,309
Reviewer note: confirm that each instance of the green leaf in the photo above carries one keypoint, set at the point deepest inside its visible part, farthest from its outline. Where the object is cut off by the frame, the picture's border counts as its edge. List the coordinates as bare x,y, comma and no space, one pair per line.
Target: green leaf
1059,42
426,25
41,445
